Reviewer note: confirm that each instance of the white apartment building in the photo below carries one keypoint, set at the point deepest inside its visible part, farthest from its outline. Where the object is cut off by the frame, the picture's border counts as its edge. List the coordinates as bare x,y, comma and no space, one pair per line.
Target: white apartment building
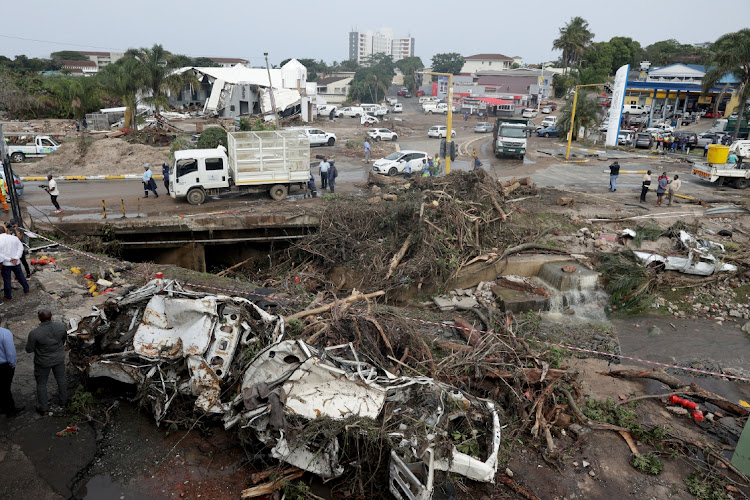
102,58
364,44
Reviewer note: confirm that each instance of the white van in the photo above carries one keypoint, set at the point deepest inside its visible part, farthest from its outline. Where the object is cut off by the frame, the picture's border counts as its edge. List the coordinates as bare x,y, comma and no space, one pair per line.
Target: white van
350,111
633,109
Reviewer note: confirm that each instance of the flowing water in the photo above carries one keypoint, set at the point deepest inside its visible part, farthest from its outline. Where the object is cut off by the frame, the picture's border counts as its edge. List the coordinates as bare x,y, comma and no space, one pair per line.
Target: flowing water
574,296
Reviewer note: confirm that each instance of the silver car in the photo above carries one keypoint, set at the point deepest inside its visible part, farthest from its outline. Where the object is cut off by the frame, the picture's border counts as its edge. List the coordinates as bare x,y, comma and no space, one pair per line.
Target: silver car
483,127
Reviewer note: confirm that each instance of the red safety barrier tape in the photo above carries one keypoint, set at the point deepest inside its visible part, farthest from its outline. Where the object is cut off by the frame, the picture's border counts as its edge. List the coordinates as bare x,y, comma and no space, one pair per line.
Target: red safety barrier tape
447,325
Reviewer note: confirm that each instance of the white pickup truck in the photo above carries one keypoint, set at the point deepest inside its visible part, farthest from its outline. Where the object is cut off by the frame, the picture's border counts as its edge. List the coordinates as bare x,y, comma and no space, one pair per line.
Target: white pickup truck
735,174
40,146
317,137
435,107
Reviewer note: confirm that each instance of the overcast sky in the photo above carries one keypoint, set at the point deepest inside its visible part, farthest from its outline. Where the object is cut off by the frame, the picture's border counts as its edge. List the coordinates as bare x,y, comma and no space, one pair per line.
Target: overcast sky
319,30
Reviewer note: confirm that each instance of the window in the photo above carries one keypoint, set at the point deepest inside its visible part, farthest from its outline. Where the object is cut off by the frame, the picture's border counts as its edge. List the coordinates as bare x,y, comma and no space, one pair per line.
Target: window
45,142
186,166
214,164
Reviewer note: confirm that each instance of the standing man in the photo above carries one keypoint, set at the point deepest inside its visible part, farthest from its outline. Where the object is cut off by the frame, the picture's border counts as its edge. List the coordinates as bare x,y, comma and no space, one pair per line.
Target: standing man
7,370
221,147
614,172
149,184
11,250
672,188
53,192
47,342
323,173
705,150
367,151
407,170
332,174
645,185
165,174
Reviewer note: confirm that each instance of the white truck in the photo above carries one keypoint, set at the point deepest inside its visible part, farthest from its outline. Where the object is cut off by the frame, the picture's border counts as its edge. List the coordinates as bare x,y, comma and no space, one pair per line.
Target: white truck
19,149
269,161
510,137
735,174
317,137
435,107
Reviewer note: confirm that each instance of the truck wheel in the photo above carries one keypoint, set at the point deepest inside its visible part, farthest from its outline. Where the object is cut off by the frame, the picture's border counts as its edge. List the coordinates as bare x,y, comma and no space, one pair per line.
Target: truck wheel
740,183
196,196
17,157
278,192
392,171
331,141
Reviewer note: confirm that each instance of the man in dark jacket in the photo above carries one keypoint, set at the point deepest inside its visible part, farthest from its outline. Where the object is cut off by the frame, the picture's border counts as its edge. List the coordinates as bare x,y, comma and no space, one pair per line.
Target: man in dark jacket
165,174
614,171
47,342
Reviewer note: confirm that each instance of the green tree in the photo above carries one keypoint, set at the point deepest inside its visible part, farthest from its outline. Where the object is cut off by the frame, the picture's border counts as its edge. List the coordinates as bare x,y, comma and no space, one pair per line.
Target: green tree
588,113
123,79
68,55
600,56
731,56
348,65
409,66
574,38
157,67
73,97
205,62
450,62
210,138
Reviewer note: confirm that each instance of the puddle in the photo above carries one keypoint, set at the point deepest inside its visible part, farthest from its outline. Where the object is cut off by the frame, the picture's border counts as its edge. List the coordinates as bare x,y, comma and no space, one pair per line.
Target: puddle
102,486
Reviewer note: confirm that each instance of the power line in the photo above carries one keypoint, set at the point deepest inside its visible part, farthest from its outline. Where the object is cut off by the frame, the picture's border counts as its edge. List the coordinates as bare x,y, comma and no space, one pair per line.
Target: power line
60,43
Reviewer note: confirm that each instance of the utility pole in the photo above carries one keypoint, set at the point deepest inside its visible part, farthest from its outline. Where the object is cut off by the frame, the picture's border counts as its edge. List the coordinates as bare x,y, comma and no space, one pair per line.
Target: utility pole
15,208
449,125
270,90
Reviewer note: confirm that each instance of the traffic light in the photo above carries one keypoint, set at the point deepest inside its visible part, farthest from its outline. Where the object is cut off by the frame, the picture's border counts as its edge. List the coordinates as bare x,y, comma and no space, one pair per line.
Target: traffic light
442,148
453,151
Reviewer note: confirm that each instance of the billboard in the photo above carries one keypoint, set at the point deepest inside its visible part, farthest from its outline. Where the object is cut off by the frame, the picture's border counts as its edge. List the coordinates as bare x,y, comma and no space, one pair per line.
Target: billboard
615,107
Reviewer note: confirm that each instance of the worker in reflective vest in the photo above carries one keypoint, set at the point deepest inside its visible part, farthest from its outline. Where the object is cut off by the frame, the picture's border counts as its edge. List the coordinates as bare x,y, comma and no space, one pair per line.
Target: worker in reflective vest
3,196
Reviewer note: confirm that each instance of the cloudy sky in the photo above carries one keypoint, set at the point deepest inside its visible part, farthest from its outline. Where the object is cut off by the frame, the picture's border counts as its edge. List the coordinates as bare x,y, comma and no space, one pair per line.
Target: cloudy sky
294,28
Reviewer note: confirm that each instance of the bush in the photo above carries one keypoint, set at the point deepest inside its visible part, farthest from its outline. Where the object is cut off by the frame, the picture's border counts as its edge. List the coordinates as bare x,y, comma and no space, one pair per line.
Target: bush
211,136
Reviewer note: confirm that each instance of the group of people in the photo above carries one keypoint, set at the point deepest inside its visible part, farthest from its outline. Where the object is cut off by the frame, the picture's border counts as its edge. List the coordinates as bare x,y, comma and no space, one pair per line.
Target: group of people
663,184
47,343
149,184
328,172
668,142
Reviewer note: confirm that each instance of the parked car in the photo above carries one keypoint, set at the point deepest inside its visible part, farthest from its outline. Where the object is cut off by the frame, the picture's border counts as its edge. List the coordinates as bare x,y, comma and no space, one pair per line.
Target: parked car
326,109
395,162
407,94
402,91
483,127
546,110
625,138
529,113
391,100
711,114
16,180
552,105
692,137
317,137
382,134
548,132
350,111
420,93
709,138
440,131
369,120
398,108
643,140
633,109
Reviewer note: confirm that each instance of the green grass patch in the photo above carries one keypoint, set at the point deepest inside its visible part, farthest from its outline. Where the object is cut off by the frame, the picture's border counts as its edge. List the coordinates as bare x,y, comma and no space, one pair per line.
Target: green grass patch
648,464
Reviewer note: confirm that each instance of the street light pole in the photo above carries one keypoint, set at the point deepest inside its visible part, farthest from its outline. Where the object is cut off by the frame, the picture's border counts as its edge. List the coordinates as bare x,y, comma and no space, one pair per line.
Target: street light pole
270,90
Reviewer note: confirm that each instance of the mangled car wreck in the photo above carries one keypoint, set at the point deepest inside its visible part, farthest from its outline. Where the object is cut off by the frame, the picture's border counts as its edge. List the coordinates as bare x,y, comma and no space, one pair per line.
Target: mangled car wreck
229,358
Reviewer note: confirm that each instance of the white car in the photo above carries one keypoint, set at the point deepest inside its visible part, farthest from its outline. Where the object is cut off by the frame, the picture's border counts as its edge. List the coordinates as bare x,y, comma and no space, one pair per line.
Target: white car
317,137
529,113
326,109
398,108
395,162
381,111
549,121
547,110
382,134
391,100
350,111
440,131
369,120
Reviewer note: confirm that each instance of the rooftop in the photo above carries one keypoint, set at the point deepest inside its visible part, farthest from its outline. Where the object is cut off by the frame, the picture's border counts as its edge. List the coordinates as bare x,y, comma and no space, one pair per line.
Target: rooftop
78,64
228,60
488,57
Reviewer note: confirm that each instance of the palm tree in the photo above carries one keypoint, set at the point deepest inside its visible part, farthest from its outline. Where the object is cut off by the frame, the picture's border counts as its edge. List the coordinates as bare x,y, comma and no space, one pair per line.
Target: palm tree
588,113
160,75
731,56
574,38
124,78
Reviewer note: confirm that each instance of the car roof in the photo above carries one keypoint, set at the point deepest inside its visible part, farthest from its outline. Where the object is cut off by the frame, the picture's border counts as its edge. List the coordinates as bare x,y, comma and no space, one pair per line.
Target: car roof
409,151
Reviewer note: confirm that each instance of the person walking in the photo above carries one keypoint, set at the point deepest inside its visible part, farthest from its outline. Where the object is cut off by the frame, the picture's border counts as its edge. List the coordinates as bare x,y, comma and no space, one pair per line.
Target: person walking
645,183
407,170
11,250
672,189
332,114
53,192
367,151
149,184
614,172
661,188
165,174
332,174
47,342
7,370
477,163
323,173
85,125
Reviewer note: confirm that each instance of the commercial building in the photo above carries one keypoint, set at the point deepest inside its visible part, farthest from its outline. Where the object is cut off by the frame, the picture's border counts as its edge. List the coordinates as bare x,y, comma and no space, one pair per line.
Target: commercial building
102,58
364,44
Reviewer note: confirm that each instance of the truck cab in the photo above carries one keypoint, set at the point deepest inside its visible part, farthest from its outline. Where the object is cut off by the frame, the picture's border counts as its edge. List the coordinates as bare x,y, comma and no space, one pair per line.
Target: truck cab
19,149
510,137
195,173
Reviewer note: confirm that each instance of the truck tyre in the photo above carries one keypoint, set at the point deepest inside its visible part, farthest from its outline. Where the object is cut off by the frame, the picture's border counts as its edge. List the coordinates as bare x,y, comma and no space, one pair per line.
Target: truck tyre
392,171
740,183
331,141
196,196
17,157
278,192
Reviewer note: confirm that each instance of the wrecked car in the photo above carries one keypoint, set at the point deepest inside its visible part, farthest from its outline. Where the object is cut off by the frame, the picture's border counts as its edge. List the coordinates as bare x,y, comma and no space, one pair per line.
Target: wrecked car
229,358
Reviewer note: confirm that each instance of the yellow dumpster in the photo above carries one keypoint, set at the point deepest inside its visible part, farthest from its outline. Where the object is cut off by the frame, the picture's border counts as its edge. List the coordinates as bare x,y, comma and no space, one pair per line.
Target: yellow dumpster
717,154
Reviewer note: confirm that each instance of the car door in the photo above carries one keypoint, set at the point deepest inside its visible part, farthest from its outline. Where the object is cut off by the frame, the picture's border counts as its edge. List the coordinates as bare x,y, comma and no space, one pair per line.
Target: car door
317,137
215,173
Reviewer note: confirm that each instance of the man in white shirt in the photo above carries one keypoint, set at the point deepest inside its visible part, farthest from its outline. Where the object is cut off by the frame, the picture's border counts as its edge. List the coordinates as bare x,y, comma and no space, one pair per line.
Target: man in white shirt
11,250
53,193
407,170
323,173
221,147
672,188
